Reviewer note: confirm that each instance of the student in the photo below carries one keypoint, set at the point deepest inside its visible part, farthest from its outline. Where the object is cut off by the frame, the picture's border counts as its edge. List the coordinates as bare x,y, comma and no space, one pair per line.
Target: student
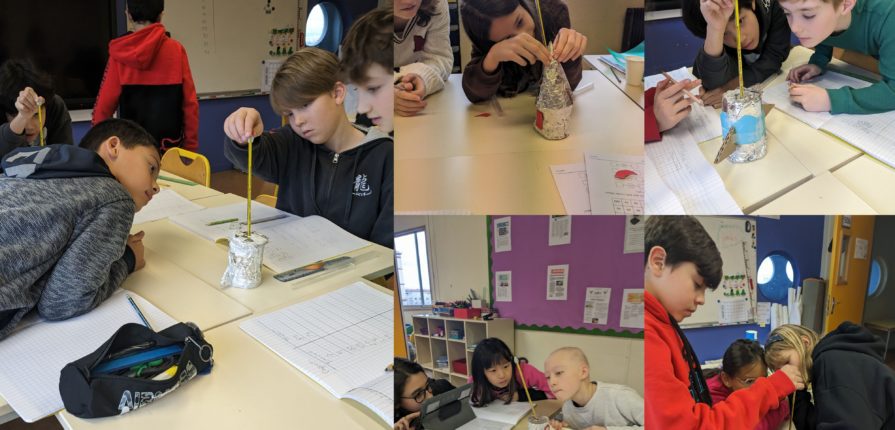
67,211
588,403
851,384
495,376
22,87
507,44
764,37
742,365
682,261
423,52
412,388
865,26
367,59
666,106
323,164
148,80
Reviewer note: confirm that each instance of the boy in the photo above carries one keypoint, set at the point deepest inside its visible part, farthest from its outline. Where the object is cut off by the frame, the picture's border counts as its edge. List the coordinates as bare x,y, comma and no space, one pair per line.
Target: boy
765,42
588,404
22,88
866,26
65,218
367,62
681,262
148,79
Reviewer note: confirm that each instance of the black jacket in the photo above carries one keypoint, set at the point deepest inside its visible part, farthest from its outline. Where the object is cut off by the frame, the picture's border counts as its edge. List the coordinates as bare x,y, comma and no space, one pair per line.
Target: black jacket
353,189
57,127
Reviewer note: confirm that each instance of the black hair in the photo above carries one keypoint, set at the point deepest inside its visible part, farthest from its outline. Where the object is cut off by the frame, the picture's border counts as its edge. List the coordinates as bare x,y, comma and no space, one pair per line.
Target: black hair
741,353
15,75
145,10
684,240
130,133
403,370
477,16
695,22
368,42
488,353
427,11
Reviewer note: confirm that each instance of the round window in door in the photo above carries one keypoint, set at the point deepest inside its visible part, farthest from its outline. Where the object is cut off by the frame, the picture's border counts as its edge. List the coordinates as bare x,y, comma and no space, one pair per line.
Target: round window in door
776,275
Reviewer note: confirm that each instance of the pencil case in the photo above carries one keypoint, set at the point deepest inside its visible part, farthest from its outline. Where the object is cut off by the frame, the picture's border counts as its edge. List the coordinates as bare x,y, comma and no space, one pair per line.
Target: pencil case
135,367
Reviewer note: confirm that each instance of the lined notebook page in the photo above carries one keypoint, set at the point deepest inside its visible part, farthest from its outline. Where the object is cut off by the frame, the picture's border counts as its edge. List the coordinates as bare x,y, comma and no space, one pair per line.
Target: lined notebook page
873,134
500,412
300,241
342,340
163,205
32,357
378,396
198,221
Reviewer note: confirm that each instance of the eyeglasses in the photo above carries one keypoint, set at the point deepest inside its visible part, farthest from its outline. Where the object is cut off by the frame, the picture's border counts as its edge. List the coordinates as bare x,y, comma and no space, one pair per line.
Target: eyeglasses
419,395
771,340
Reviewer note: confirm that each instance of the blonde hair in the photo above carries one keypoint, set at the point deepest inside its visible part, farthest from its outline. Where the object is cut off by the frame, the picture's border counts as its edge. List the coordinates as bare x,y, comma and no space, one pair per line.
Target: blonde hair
304,76
790,337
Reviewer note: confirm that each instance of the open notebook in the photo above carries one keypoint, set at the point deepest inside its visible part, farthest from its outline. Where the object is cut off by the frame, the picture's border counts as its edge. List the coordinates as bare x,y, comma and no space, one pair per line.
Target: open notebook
342,340
32,357
293,241
497,415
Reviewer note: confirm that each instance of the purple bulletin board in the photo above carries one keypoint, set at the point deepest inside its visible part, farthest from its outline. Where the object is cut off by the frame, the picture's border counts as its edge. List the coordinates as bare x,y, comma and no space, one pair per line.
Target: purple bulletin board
595,257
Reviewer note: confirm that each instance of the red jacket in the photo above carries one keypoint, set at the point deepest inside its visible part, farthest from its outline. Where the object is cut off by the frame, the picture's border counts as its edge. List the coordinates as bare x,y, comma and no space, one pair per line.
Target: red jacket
771,421
651,131
667,401
148,77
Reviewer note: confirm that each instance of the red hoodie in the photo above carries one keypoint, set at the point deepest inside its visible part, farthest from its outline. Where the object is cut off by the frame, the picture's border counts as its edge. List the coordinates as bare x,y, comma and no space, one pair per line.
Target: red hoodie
667,401
771,420
148,77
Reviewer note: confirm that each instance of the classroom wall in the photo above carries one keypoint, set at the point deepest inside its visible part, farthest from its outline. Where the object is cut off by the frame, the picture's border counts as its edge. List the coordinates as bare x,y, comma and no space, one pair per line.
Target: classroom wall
880,306
799,236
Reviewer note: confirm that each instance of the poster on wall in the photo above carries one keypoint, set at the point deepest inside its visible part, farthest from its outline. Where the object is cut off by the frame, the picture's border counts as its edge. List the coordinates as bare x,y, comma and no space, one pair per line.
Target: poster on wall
560,230
504,286
634,234
502,237
632,308
596,306
557,282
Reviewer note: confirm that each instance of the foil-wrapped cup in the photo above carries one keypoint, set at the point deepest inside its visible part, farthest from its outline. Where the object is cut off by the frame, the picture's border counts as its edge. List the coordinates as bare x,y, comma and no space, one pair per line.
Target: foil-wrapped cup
554,105
746,116
244,264
537,423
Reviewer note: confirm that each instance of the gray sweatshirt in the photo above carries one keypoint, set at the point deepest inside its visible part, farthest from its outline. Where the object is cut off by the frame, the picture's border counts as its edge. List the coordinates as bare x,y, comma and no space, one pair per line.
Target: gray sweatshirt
613,406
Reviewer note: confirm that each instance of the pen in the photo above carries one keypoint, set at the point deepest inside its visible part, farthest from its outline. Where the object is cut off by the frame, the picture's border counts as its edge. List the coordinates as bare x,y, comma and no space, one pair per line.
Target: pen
139,314
223,221
686,93
270,218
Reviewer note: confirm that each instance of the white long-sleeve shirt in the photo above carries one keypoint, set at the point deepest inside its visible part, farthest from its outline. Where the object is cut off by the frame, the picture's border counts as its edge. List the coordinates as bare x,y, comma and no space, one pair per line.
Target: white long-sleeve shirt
426,50
613,406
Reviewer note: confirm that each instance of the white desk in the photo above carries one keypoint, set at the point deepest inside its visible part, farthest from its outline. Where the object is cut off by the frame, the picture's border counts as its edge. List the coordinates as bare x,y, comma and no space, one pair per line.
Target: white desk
618,79
449,160
189,192
871,180
822,195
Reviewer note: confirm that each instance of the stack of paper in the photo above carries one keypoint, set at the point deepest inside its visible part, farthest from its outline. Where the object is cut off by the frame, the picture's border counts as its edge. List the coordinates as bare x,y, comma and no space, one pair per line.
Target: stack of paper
603,184
165,204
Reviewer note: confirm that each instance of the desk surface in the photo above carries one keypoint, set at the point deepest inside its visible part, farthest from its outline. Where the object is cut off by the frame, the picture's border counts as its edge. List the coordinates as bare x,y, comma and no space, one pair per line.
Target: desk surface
449,160
617,79
189,192
822,195
871,180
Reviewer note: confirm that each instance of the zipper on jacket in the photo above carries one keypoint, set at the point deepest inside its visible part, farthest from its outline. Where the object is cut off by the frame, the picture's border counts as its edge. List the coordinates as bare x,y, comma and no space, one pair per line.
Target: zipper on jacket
336,158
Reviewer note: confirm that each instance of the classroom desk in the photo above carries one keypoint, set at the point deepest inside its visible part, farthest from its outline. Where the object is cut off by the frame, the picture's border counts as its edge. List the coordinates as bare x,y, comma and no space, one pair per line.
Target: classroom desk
189,192
250,386
822,195
544,407
449,160
618,79
872,180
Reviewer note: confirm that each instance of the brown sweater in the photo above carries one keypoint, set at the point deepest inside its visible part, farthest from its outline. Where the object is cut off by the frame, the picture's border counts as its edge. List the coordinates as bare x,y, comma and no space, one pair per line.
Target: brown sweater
510,78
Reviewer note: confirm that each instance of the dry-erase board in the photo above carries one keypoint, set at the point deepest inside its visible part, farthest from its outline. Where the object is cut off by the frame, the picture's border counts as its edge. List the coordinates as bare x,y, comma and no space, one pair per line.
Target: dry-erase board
732,235
595,257
226,40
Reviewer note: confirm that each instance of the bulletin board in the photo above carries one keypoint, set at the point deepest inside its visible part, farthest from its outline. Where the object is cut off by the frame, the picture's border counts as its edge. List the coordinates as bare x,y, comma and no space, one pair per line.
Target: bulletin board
596,259
735,238
226,40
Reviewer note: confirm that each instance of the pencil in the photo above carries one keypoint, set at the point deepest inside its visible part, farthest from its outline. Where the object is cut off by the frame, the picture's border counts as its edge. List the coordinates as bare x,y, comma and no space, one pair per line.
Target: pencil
222,221
686,93
524,385
137,309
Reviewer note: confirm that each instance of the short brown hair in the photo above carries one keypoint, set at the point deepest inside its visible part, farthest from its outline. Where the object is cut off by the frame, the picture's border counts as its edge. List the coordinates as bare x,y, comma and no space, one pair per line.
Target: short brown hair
368,42
304,76
836,3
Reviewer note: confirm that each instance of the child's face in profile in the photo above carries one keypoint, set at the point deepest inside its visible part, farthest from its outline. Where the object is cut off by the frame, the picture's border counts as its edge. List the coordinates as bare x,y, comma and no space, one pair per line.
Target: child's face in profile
749,35
517,22
32,128
745,377
499,374
405,10
788,356
680,289
564,375
136,168
812,21
375,97
415,388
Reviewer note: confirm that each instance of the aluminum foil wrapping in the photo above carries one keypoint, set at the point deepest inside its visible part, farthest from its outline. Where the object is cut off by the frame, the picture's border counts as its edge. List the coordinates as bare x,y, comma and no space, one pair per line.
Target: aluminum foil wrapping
244,265
537,423
746,116
554,105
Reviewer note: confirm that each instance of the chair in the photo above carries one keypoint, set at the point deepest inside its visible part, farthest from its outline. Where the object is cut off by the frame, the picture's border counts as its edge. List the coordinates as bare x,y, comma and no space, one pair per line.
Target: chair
187,164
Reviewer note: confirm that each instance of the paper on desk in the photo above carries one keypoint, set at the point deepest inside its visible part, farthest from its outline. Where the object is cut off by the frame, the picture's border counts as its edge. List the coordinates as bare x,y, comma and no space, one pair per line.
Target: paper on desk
163,205
658,198
778,95
502,413
571,181
678,75
686,172
198,221
703,123
612,190
32,357
873,134
295,242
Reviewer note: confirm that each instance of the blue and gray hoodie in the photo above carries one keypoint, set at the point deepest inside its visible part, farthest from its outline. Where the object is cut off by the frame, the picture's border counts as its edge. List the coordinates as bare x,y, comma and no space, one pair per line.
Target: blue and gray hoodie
64,223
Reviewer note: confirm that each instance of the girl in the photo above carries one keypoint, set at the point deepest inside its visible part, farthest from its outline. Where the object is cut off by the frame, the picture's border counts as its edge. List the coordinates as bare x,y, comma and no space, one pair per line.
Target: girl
851,384
413,387
507,42
744,363
495,377
423,52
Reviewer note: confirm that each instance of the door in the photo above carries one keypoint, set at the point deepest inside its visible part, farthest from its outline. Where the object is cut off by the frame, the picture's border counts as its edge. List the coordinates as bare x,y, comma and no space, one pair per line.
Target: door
849,270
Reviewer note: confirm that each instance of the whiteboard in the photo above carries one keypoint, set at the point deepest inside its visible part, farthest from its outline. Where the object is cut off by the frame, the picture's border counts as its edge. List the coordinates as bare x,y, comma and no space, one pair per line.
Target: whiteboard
730,234
226,40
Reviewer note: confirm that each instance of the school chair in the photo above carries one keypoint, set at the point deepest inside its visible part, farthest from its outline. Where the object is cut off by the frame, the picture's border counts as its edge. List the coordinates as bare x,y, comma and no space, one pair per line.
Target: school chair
267,199
188,164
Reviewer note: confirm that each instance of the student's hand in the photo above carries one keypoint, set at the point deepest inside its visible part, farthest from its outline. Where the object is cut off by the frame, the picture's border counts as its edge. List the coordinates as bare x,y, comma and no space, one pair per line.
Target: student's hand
792,372
803,73
669,105
243,124
522,49
28,102
596,428
716,13
404,423
568,45
409,93
135,243
812,97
